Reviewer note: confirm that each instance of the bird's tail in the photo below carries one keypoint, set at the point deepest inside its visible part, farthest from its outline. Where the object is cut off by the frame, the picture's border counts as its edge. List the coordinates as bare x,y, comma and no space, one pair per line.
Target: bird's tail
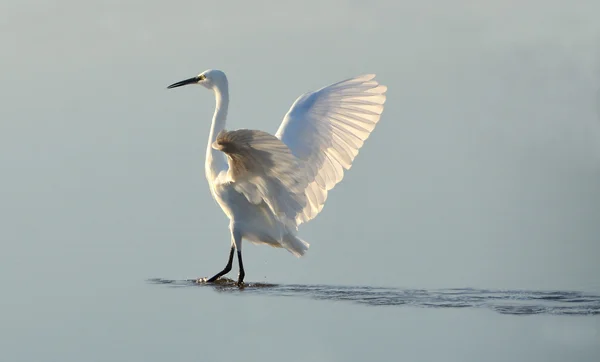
294,244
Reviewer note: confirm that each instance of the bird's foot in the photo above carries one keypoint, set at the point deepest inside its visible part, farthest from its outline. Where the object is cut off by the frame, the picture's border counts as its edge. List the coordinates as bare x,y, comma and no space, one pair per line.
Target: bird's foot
205,280
240,281
215,281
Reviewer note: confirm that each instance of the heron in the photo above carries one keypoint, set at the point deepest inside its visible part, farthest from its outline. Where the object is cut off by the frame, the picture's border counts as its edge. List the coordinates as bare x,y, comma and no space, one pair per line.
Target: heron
268,185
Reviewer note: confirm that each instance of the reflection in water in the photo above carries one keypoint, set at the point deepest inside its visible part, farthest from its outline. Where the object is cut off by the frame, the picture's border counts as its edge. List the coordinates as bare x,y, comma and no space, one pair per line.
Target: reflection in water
516,302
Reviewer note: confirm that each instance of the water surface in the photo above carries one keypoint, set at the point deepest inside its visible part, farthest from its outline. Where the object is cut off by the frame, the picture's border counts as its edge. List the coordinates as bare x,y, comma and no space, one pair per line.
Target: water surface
517,302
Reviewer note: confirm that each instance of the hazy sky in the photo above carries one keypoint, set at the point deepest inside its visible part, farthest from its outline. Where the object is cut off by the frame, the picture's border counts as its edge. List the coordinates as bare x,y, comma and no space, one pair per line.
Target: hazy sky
484,170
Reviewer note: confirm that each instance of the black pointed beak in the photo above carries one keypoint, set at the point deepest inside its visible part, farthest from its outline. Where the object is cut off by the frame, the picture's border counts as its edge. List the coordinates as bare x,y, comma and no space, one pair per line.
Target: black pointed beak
192,80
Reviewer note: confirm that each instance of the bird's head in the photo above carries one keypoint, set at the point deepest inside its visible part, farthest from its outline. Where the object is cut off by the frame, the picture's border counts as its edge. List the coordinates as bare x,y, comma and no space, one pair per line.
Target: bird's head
209,79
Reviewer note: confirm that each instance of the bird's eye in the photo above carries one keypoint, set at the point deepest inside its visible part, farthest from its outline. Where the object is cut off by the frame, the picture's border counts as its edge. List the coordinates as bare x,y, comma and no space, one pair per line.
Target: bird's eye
201,77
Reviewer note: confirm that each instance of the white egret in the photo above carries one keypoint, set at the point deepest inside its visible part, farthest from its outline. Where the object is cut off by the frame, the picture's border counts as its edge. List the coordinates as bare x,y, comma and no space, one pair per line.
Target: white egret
268,185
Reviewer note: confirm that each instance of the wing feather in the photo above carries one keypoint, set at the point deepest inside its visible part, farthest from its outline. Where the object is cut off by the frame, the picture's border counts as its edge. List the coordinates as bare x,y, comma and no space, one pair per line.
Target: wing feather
326,129
264,169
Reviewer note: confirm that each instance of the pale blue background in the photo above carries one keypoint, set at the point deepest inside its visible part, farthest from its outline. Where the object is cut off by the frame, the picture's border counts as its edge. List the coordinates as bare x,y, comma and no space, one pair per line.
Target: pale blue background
484,172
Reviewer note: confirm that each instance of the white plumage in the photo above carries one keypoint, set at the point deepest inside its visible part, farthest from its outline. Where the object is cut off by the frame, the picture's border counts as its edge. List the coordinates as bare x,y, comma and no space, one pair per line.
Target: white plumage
268,185
326,129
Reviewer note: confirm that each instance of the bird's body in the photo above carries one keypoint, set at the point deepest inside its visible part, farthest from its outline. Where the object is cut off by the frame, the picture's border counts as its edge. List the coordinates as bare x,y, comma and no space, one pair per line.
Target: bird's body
254,222
268,185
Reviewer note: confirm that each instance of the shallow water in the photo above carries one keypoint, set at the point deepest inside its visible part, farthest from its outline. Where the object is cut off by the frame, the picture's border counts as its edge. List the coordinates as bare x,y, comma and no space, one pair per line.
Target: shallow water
120,319
516,302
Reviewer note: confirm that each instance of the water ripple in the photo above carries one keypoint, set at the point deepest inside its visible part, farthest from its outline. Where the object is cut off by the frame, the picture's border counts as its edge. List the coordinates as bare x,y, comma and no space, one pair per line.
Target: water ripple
514,302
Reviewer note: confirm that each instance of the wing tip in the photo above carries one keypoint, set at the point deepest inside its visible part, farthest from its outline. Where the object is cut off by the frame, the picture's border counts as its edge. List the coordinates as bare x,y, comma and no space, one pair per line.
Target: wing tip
370,77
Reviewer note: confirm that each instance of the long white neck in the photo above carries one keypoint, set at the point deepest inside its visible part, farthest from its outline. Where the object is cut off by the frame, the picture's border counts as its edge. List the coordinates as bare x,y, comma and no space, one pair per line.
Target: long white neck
215,159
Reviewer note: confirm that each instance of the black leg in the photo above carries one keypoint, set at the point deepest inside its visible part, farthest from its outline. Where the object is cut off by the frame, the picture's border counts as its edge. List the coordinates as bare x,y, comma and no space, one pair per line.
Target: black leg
227,267
242,273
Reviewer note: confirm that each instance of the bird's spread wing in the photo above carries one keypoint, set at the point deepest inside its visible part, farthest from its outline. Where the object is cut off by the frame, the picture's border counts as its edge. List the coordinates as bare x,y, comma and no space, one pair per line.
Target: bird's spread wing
263,169
326,128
